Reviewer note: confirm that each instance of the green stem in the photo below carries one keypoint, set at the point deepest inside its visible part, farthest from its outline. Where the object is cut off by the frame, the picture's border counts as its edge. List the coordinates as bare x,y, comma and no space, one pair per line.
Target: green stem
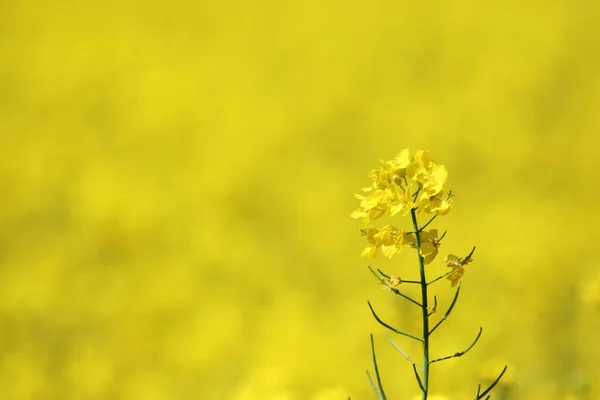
425,381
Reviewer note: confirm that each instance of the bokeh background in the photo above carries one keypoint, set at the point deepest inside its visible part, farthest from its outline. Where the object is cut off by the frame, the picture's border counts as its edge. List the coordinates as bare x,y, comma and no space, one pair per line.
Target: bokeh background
176,180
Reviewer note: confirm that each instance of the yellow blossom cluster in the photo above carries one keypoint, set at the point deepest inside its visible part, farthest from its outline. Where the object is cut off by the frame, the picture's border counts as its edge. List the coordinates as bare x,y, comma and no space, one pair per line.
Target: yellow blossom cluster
390,240
402,184
399,186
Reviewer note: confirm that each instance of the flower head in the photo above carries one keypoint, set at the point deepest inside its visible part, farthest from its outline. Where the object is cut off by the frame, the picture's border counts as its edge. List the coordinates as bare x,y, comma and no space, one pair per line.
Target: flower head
399,186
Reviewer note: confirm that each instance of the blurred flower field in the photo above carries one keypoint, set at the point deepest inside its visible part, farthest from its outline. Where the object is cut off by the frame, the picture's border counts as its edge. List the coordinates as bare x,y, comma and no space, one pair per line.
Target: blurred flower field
177,185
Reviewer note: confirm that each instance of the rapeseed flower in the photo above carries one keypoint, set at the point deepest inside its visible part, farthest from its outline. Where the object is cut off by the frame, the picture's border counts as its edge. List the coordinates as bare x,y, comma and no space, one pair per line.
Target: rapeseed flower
387,238
407,186
429,244
457,264
402,184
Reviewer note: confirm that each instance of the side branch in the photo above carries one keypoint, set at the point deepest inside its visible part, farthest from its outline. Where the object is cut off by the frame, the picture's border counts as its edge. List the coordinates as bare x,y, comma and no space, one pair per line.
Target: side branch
439,277
480,396
447,312
434,308
399,350
418,379
427,224
389,277
379,389
393,289
461,353
390,327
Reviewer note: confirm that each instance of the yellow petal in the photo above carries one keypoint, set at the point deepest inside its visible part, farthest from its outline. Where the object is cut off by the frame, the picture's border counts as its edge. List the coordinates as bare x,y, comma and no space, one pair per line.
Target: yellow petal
452,261
427,248
429,257
437,178
403,159
358,213
369,252
429,236
444,208
423,157
390,251
410,240
455,276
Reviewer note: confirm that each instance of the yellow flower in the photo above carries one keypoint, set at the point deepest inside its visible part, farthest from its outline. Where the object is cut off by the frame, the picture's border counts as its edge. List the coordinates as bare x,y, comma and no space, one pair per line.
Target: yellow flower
369,233
387,238
396,168
399,186
429,244
372,206
452,261
439,204
457,264
391,282
380,178
431,181
434,179
455,275
391,240
422,162
390,172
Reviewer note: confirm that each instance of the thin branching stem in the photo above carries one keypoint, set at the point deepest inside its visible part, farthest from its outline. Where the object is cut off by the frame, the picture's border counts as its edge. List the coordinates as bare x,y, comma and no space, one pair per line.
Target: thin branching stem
389,277
461,353
470,254
480,396
441,237
416,194
434,309
396,291
439,277
390,327
373,386
449,272
379,386
383,274
448,311
399,350
424,384
418,379
427,224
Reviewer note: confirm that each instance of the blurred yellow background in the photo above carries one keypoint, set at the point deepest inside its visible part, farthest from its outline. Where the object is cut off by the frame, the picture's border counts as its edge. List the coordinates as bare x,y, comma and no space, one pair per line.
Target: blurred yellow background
176,181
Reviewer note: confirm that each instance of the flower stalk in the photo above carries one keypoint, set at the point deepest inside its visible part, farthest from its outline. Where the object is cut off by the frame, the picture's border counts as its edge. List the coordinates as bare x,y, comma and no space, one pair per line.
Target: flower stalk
424,308
401,187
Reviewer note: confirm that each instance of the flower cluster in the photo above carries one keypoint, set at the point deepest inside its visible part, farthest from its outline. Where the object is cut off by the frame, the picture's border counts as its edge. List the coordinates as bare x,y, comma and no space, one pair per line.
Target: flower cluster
399,186
403,184
407,186
390,240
